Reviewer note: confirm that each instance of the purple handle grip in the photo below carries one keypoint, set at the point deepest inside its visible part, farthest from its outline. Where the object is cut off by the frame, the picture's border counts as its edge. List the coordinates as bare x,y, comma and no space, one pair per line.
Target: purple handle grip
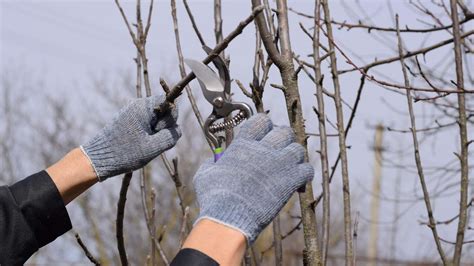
218,152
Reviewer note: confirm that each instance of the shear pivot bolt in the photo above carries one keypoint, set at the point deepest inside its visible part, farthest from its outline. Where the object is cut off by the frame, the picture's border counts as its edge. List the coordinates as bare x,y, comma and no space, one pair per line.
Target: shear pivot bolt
218,102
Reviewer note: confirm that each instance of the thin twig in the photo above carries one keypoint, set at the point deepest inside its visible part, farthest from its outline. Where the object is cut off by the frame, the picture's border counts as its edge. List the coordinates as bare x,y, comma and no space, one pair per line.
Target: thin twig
408,54
355,235
349,249
182,231
370,28
165,86
258,86
419,166
424,76
448,221
182,70
323,153
193,22
129,27
179,186
243,89
86,250
120,217
218,22
140,39
283,237
454,243
143,189
148,22
463,138
383,83
152,222
346,132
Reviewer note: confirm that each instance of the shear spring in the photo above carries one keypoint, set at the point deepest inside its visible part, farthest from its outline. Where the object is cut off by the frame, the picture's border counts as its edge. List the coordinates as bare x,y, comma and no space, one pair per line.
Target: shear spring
236,120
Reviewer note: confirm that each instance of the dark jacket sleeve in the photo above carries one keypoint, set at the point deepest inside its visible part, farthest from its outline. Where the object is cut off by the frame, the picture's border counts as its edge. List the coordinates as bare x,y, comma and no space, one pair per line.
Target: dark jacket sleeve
32,214
192,257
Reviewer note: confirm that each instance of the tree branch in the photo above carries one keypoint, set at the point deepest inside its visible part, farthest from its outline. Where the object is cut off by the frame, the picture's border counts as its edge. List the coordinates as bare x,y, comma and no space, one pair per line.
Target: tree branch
86,250
416,150
284,62
407,54
193,22
267,37
178,88
349,249
370,28
120,217
323,153
462,121
182,70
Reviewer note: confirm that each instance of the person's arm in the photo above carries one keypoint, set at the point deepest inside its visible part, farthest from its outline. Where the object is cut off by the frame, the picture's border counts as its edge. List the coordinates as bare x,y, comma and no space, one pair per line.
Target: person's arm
241,193
211,244
32,211
32,214
222,243
72,175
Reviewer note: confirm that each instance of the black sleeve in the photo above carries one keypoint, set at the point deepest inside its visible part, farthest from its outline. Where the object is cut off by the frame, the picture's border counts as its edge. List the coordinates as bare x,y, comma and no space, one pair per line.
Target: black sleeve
192,257
32,214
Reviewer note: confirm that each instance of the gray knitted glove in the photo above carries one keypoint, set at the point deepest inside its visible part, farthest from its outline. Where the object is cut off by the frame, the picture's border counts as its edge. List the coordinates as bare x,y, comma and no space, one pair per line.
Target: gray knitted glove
247,187
131,140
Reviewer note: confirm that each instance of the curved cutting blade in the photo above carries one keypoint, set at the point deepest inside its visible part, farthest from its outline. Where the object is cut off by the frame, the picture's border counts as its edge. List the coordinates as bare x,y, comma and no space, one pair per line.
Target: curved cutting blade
210,83
221,66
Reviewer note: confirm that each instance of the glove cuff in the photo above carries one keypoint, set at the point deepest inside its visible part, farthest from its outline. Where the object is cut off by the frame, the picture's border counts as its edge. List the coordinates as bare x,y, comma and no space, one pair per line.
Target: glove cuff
98,153
235,216
90,161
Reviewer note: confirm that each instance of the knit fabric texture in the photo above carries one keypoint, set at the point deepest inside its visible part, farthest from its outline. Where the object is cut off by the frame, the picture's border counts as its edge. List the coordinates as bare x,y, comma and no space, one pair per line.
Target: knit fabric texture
133,138
247,187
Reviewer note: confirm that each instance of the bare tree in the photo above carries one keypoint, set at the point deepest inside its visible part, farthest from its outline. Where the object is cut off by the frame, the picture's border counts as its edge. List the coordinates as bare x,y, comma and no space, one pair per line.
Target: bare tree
436,81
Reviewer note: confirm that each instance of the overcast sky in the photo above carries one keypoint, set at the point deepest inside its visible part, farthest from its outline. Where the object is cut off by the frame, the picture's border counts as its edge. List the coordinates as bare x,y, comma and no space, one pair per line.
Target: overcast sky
67,42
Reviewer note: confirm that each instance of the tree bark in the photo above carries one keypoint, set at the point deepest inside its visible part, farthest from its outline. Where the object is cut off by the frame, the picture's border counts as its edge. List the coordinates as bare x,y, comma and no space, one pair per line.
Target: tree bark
284,62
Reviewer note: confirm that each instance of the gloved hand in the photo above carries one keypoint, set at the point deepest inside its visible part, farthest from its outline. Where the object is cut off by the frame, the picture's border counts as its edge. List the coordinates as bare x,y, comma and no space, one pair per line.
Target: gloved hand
247,187
130,141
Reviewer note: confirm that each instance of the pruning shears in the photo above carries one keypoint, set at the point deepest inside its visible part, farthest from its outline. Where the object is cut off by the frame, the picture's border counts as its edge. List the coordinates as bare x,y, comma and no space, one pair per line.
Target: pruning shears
216,90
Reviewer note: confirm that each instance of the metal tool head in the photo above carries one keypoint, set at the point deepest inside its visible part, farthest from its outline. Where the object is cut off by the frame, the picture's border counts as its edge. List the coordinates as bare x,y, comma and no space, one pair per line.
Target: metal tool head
211,84
213,89
216,90
221,66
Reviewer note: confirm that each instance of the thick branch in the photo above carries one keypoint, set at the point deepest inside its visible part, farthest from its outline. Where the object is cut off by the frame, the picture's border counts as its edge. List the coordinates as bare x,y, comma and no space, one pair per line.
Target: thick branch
311,253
